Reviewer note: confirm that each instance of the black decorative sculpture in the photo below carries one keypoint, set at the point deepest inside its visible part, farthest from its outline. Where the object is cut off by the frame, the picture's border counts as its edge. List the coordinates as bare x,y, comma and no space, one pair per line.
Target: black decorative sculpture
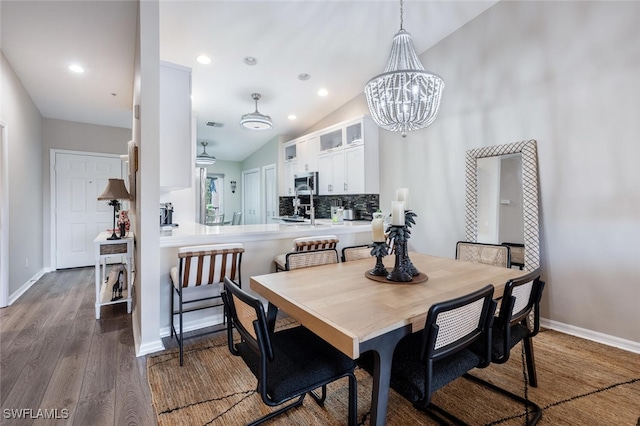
379,250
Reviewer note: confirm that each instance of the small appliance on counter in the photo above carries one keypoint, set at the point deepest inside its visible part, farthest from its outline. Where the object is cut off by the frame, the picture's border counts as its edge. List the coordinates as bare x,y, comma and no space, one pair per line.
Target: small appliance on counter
349,214
166,215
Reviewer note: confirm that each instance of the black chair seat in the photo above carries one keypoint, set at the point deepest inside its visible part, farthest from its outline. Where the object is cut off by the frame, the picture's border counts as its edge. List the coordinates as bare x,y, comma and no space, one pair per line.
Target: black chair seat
303,359
407,372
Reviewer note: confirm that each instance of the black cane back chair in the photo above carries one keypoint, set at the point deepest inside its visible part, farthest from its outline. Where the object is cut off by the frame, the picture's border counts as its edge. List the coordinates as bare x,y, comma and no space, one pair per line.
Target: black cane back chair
517,254
426,361
490,254
199,267
356,253
520,302
289,363
307,259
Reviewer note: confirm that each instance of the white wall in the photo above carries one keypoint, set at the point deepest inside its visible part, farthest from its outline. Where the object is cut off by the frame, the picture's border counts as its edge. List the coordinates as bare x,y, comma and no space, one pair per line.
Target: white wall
69,135
565,74
24,124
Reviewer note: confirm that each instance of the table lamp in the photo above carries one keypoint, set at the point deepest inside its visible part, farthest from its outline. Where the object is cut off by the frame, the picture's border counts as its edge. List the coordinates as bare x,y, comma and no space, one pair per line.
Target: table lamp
115,191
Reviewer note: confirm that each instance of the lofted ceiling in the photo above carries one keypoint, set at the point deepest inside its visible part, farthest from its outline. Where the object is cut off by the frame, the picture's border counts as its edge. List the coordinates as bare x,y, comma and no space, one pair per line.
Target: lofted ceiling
340,44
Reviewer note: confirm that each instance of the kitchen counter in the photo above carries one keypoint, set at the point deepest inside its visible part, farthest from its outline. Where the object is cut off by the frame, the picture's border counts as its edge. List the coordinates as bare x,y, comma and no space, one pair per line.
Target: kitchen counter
195,233
261,243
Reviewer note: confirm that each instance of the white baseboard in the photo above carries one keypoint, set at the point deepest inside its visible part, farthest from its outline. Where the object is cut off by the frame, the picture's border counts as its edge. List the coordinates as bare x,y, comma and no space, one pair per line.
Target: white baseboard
605,339
193,325
150,347
26,286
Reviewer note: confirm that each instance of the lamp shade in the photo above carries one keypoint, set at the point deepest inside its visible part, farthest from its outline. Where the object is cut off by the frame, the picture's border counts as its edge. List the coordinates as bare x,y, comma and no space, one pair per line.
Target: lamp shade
115,190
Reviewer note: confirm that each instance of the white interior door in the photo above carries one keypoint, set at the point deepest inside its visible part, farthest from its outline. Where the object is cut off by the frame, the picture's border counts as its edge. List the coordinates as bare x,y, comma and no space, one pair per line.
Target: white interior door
79,216
270,193
251,196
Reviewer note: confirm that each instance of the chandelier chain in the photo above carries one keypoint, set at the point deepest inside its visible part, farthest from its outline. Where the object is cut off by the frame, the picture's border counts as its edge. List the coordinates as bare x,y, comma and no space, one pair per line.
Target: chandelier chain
401,15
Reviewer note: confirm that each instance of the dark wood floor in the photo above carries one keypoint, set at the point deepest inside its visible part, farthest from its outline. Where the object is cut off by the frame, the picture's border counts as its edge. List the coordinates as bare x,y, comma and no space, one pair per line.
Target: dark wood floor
54,354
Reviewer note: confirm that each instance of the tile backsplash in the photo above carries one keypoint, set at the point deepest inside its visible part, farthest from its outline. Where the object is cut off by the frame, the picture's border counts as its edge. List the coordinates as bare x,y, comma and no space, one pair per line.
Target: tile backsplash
362,204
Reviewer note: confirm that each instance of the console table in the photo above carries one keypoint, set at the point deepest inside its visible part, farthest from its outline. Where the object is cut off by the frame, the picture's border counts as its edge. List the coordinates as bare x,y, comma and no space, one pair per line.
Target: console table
105,248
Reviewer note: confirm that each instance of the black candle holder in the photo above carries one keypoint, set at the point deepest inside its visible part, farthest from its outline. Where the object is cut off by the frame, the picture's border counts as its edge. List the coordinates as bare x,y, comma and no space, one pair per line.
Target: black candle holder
379,250
400,272
409,220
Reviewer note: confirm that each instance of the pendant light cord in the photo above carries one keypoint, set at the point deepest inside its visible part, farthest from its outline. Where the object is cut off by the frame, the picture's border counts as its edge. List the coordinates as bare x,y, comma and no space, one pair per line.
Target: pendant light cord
401,15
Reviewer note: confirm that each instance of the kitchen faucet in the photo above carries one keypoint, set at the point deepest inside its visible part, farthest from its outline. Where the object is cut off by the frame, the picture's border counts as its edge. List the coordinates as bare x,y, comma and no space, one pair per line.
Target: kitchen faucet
310,210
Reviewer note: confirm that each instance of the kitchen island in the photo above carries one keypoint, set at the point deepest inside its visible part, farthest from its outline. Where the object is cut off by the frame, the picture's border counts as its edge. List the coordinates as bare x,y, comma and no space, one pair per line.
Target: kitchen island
262,242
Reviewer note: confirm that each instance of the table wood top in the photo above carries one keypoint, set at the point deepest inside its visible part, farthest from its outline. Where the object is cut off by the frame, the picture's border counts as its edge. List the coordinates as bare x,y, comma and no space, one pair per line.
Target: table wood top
345,308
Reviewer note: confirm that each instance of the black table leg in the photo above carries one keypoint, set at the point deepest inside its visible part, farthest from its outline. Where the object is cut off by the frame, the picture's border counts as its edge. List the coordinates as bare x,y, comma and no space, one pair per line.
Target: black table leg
382,347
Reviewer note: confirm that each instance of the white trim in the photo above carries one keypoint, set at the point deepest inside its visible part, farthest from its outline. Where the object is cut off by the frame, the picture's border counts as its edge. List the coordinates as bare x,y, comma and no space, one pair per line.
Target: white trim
263,190
193,325
4,216
53,194
151,347
605,339
26,286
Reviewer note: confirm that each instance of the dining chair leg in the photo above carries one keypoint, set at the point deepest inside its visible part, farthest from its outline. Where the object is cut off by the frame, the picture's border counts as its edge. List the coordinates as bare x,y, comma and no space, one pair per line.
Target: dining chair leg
531,364
319,399
171,311
180,315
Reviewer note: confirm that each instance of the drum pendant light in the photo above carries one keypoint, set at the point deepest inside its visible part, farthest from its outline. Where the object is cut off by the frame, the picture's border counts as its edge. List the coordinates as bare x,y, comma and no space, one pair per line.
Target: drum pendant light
255,120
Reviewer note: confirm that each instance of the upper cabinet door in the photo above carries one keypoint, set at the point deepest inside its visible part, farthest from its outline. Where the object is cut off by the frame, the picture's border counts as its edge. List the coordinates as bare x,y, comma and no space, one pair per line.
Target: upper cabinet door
177,158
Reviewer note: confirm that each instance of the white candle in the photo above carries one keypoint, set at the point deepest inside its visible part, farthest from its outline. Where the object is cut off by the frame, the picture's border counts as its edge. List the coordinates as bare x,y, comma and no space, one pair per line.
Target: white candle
377,230
397,213
402,194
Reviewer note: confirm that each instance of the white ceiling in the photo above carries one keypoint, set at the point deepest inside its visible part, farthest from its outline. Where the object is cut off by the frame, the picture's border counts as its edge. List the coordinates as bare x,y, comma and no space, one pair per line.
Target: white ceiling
341,44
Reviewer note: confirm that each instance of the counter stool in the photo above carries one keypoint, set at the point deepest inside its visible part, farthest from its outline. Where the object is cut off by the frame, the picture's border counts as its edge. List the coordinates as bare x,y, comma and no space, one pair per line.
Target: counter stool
316,242
201,266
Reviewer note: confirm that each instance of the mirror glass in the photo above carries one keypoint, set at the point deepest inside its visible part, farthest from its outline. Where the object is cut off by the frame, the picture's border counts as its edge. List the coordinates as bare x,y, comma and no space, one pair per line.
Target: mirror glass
501,197
500,217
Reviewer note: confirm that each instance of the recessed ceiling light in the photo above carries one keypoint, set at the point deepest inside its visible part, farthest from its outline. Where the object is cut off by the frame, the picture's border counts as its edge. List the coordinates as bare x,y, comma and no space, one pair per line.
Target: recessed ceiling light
323,92
250,60
304,76
204,59
76,68
292,117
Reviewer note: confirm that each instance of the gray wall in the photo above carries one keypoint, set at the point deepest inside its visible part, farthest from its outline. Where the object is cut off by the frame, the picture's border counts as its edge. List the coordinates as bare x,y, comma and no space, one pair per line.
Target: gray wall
69,135
24,124
565,74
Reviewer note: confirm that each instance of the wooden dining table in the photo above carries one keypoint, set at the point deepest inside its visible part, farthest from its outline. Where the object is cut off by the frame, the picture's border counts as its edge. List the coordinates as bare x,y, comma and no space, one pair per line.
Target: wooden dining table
356,314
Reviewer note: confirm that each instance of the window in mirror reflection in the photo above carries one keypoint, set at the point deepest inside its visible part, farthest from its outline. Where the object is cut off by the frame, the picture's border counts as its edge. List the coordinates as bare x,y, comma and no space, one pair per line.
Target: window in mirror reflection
500,214
214,196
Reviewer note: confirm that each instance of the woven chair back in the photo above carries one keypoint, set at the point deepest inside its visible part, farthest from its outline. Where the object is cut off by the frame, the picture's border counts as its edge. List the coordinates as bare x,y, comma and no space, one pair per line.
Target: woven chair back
490,254
307,259
356,253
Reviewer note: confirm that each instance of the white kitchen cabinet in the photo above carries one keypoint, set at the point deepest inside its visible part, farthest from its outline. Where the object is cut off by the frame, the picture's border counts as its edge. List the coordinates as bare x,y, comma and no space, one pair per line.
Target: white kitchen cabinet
308,150
354,170
332,176
176,147
345,155
290,169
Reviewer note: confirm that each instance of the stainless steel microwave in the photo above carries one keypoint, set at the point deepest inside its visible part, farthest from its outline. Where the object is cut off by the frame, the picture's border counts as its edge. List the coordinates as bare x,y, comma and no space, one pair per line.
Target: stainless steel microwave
309,178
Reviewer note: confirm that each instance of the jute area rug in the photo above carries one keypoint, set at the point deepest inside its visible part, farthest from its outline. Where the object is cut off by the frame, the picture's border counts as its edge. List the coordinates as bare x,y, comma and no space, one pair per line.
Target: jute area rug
579,383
